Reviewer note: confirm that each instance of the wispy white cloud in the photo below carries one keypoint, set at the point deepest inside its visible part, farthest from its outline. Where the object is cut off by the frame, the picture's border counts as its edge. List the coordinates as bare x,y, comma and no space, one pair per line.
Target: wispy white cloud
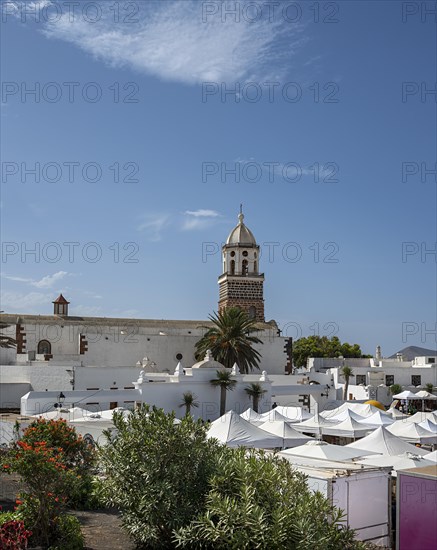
50,280
176,41
46,282
20,302
153,225
199,219
202,213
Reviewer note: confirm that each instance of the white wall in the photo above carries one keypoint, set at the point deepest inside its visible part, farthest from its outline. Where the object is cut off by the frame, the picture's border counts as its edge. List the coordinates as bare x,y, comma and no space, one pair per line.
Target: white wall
125,342
164,394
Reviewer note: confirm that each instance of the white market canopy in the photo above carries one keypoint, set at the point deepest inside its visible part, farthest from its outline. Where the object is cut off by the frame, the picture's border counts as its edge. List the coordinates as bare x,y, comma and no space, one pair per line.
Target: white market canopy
314,425
378,419
363,409
273,416
423,394
293,414
419,417
407,394
428,425
290,437
384,442
325,451
232,430
399,462
251,416
348,428
431,456
345,414
413,433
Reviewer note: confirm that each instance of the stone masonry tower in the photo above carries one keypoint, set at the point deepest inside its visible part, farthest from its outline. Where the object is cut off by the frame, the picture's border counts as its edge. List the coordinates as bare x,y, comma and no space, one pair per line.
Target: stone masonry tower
241,284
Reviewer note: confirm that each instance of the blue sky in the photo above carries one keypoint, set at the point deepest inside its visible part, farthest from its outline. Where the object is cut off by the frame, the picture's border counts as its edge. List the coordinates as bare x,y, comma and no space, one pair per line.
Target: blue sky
170,97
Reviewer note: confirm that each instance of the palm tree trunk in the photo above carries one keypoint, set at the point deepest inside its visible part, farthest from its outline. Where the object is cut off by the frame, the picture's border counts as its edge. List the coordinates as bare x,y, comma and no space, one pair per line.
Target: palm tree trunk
222,400
187,412
345,389
255,403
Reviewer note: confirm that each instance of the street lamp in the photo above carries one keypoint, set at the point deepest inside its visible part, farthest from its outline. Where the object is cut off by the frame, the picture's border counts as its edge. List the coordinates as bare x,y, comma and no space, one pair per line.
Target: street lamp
61,399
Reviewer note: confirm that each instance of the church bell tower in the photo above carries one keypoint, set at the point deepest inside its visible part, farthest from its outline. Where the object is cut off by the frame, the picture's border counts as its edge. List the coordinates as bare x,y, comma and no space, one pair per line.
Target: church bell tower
241,283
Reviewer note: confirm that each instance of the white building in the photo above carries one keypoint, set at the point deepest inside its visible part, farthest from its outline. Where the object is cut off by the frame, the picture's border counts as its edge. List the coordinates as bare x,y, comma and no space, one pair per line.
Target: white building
373,377
166,391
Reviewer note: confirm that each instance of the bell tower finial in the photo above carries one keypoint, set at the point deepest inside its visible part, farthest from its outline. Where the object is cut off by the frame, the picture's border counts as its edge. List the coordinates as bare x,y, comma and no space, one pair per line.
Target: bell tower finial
241,215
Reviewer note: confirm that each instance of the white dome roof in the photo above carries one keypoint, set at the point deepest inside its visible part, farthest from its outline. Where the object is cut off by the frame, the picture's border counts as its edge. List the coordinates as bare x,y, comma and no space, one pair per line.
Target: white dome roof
241,234
208,363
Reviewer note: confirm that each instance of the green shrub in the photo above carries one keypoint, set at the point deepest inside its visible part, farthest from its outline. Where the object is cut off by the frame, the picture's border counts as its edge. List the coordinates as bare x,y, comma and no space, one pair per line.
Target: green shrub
68,535
157,473
259,501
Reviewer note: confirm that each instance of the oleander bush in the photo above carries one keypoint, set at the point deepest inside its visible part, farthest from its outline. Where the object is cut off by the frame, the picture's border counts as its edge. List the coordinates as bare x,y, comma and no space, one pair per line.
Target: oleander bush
55,465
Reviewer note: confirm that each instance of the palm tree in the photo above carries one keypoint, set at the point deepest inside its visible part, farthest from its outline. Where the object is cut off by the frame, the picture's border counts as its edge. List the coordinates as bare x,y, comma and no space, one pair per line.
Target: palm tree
395,389
429,387
226,383
347,372
6,341
229,340
255,391
188,401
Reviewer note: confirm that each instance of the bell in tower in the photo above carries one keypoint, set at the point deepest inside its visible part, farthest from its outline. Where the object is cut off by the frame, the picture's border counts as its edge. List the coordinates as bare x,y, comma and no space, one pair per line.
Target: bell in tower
241,284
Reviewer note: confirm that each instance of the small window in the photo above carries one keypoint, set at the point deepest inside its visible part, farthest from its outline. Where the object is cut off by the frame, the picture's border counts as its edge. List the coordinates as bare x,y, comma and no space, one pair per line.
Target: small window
245,267
129,388
416,380
44,347
431,359
245,253
361,379
232,267
389,379
179,356
93,389
232,254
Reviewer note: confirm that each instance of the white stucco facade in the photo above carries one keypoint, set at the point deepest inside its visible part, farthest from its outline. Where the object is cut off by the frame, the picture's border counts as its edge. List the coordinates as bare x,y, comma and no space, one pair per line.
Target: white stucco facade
372,378
97,392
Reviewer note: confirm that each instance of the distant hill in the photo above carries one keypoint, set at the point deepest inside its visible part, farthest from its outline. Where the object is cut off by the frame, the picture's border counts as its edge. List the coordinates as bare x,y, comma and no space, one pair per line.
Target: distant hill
411,352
